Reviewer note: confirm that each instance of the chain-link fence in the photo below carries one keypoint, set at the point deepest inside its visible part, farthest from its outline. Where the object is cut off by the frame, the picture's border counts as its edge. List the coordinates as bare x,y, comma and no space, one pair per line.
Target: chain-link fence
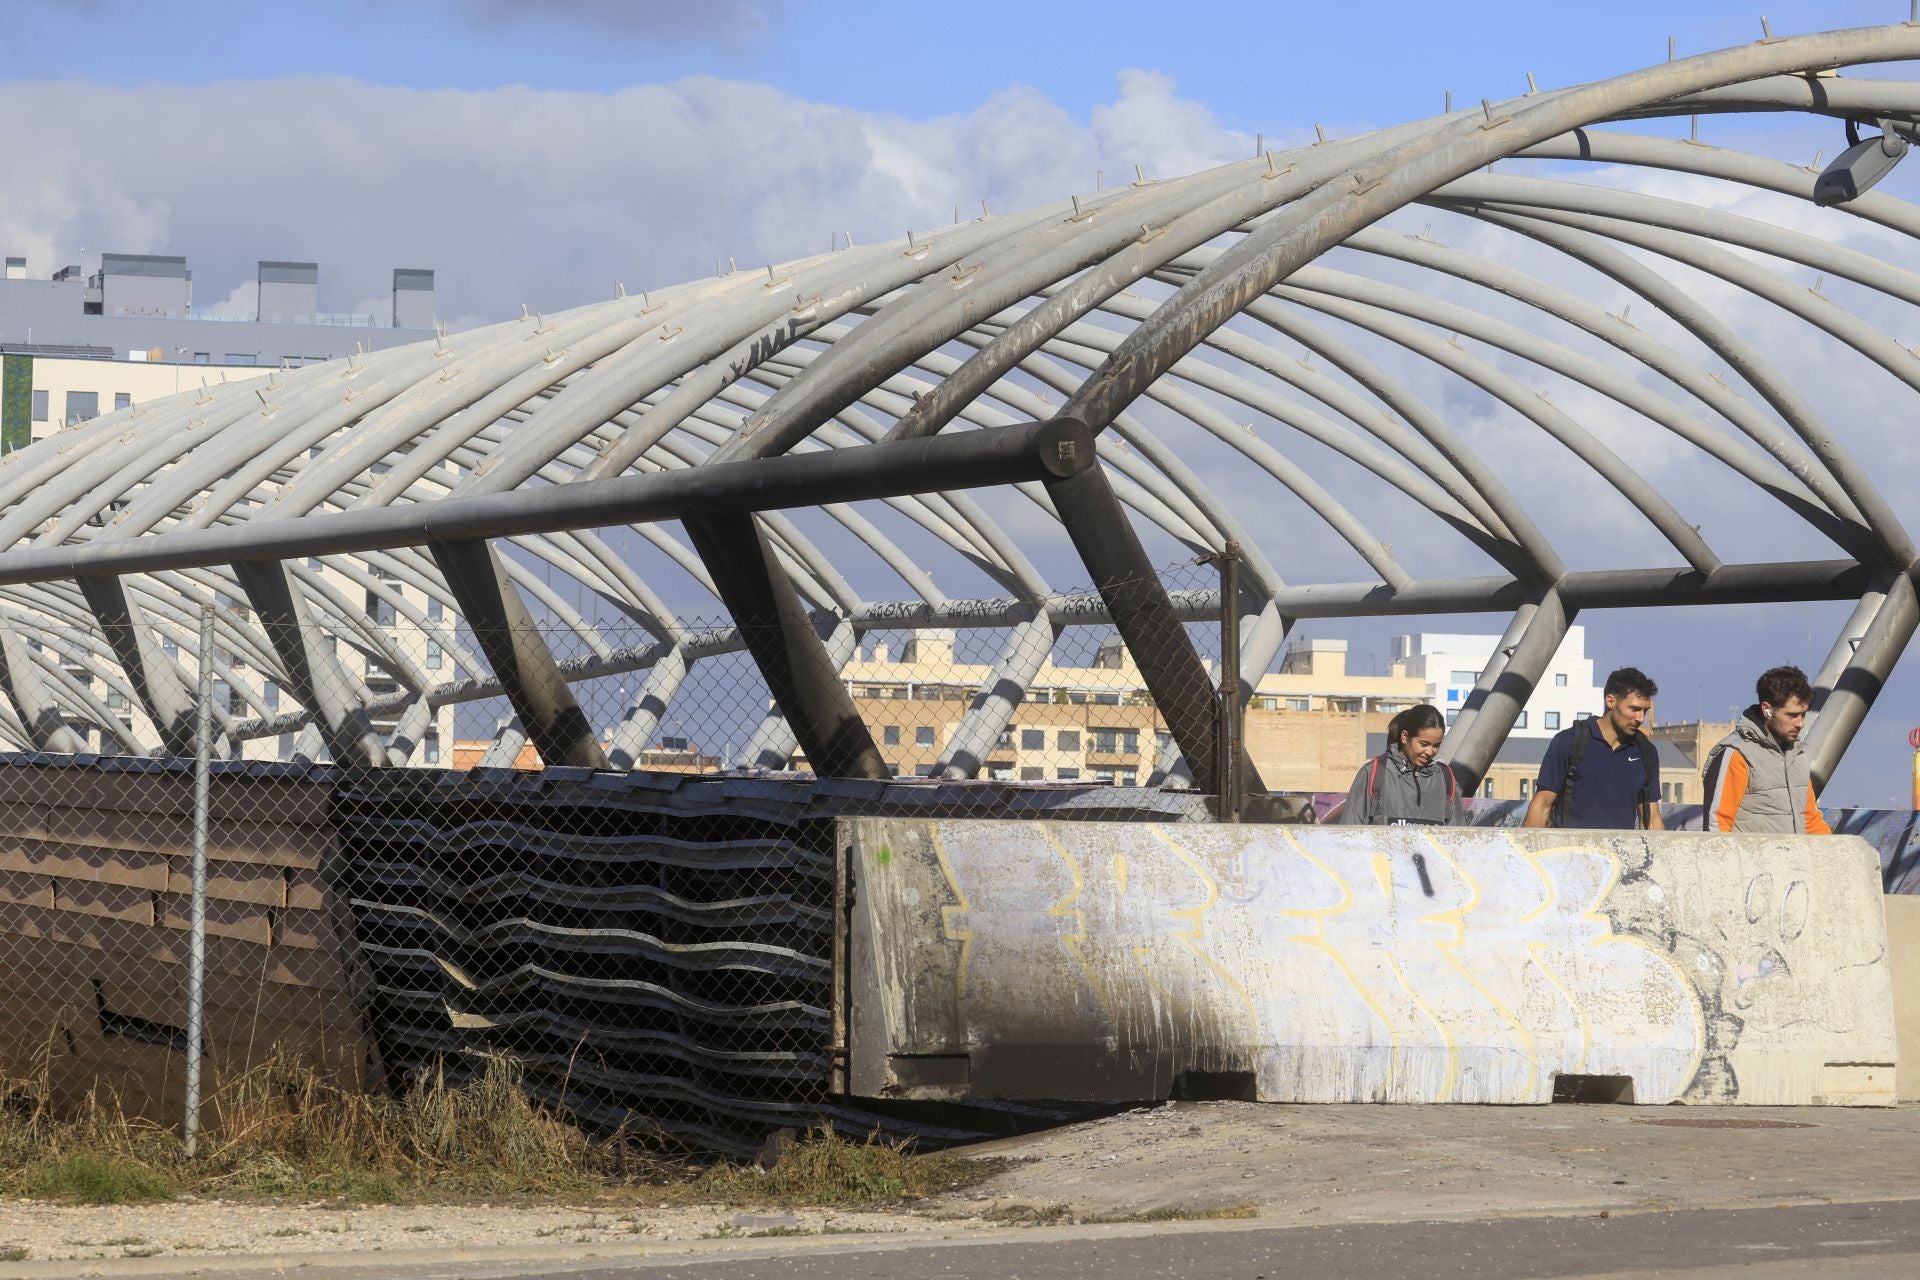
617,868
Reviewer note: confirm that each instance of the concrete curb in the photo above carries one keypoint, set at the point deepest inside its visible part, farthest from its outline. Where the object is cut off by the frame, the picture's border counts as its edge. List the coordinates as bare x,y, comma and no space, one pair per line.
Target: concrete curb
559,1258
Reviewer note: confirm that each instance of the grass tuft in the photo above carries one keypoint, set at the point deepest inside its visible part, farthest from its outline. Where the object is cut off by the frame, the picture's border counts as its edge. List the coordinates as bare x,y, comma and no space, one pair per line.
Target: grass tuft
831,1171
286,1130
1178,1213
88,1177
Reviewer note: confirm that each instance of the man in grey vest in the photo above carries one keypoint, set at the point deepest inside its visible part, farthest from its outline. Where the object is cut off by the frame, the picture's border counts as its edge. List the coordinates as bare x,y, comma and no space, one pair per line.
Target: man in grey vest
1758,778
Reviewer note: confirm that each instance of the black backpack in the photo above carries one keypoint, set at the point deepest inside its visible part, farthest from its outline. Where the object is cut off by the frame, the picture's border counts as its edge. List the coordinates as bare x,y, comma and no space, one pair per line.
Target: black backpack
1648,759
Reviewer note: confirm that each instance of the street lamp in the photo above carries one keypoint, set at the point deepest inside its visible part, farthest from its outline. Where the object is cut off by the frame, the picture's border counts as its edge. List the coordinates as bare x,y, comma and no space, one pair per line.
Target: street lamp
1861,165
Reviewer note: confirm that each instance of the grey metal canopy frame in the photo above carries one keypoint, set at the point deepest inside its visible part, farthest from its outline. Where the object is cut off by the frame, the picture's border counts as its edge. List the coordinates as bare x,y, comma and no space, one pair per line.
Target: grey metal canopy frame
1158,315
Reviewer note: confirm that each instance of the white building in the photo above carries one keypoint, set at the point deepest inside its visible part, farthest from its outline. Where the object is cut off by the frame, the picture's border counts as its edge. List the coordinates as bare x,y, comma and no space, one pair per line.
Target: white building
75,346
1450,664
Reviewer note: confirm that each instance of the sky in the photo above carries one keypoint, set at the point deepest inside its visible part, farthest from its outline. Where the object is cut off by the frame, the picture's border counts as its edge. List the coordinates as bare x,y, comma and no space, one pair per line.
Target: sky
539,153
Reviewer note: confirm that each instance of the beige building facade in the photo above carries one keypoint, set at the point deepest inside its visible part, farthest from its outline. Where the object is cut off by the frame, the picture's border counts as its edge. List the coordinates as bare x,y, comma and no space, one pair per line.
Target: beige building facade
1309,727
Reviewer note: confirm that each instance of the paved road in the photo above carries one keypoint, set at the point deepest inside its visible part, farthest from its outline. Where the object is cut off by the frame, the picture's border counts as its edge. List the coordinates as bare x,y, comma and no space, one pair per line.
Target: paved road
1873,1241
1847,1241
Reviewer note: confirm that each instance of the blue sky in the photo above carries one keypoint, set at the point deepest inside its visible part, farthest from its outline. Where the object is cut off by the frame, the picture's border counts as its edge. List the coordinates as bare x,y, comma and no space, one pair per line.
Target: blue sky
538,153
1257,65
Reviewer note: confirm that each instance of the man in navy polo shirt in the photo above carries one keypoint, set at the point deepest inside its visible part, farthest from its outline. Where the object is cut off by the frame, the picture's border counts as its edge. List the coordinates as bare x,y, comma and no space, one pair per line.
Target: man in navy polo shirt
1603,773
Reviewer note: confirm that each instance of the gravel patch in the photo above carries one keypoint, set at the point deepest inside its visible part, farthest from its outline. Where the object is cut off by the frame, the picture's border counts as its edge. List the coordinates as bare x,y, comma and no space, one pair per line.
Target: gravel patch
39,1233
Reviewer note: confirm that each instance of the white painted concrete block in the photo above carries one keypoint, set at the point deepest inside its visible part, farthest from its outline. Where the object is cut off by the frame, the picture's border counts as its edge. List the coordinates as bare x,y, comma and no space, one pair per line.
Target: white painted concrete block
1082,960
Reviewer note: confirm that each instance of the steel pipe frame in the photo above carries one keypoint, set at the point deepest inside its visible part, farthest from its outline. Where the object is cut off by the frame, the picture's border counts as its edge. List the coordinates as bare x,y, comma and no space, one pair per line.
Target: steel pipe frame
587,359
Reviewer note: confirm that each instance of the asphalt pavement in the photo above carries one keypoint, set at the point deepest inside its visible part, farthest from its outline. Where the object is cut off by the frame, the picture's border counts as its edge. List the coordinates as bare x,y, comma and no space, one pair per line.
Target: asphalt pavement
1862,1241
1849,1240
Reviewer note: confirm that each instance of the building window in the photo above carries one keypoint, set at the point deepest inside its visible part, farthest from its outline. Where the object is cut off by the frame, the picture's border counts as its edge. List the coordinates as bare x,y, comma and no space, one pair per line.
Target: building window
434,609
1679,793
82,406
1486,788
1464,677
925,770
1069,775
122,400
1553,719
202,357
1067,740
430,747
1453,715
1269,704
1299,704
1560,680
433,655
270,696
923,736
241,357
890,735
1127,779
39,406
1578,716
1520,721
1033,740
1029,773
1526,788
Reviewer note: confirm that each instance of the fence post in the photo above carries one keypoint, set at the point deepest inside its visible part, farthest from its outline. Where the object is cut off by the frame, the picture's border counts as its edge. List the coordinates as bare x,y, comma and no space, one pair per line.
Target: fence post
1233,786
197,926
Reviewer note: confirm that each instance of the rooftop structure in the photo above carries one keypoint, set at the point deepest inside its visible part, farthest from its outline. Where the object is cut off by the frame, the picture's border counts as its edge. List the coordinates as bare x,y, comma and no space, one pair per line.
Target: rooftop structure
876,382
140,306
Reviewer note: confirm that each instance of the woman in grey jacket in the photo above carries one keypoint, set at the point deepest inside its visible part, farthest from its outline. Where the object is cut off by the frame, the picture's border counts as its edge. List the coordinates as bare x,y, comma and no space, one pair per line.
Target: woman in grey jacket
1407,783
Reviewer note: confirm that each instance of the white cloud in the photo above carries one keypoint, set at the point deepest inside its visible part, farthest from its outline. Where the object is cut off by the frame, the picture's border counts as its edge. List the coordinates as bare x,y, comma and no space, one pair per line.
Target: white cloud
521,195
243,301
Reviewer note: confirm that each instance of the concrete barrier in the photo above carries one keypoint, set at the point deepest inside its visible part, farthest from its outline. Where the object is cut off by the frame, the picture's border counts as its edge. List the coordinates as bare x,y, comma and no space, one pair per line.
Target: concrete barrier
1903,949
1120,961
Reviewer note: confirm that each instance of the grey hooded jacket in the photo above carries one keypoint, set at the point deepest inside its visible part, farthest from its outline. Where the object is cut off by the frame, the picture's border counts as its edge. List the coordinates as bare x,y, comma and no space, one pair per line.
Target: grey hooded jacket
1389,789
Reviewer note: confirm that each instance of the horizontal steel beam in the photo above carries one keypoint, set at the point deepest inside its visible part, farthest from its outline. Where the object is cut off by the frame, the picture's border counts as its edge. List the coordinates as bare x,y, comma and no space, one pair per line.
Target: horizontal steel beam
1032,451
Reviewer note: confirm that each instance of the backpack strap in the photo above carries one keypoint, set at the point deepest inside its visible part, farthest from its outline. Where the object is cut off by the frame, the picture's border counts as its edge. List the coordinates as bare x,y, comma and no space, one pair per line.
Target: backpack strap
1563,802
1373,788
1650,761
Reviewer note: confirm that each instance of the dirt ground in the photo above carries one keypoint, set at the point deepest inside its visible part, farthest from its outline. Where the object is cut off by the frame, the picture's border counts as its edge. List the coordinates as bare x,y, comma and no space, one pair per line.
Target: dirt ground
1306,1164
1282,1165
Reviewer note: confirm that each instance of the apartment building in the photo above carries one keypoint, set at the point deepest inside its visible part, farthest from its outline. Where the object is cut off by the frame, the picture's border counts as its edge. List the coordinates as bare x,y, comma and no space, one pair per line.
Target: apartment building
1448,666
1091,723
1309,726
76,345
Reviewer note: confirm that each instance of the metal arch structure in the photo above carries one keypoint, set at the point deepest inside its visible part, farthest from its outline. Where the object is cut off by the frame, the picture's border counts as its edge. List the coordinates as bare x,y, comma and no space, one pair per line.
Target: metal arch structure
1154,315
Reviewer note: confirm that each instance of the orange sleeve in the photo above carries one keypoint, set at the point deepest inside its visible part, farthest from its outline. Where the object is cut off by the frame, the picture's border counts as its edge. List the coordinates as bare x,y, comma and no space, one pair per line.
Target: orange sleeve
1816,823
1729,790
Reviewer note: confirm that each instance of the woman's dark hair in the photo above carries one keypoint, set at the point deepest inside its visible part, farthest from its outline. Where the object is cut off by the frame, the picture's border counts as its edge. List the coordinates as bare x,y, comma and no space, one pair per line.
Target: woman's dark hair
1415,719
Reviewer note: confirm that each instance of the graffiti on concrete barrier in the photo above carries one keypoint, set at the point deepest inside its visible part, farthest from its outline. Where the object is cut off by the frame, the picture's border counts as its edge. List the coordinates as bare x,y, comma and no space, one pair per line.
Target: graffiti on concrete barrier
1420,964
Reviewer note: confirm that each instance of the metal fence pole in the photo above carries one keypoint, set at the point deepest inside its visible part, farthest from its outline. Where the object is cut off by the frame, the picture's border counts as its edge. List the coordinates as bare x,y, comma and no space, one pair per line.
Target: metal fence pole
1232,781
197,926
